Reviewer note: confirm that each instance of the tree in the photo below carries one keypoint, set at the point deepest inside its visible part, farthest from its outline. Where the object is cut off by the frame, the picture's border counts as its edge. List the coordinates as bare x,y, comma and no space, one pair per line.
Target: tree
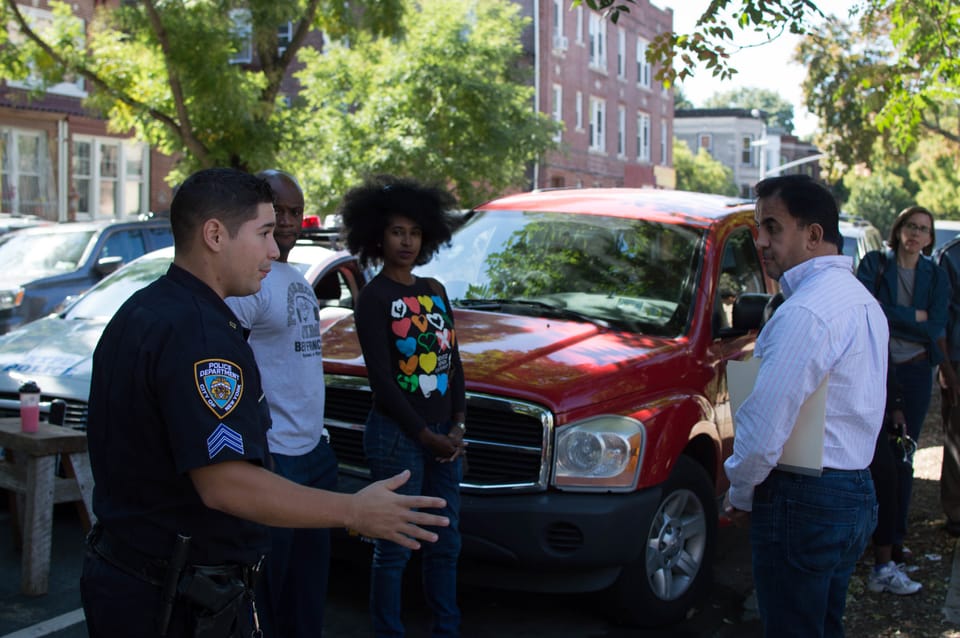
701,173
935,170
778,110
680,100
877,197
448,103
183,95
890,78
718,32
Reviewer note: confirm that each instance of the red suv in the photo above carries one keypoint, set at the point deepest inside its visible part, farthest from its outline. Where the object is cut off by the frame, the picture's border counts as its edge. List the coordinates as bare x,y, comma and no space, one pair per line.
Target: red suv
594,327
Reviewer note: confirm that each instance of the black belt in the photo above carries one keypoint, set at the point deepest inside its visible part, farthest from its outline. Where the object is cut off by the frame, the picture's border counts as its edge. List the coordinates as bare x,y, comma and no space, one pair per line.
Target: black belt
154,570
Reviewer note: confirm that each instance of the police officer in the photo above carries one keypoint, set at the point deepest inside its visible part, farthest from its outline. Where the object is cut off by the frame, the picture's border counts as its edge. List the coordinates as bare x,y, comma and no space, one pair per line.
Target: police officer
177,438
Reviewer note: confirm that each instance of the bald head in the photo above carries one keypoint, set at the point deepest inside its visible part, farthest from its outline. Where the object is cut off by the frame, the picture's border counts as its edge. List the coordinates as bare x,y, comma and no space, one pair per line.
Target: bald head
288,205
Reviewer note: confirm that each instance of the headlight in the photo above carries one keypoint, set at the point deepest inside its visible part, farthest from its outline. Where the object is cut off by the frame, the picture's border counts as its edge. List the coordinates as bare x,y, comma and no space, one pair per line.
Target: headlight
10,298
602,453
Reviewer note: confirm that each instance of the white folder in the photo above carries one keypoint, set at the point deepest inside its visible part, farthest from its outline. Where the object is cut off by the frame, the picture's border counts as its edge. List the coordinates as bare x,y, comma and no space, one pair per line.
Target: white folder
803,451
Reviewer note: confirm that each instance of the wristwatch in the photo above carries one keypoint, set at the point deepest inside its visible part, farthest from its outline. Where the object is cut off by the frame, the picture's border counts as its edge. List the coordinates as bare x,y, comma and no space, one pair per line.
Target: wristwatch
462,426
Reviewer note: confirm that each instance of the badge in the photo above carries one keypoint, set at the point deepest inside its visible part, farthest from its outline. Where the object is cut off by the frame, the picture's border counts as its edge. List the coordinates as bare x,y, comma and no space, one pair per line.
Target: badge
220,384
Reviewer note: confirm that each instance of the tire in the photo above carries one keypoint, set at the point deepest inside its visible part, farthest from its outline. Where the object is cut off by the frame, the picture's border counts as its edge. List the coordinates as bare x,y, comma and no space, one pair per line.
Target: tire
675,571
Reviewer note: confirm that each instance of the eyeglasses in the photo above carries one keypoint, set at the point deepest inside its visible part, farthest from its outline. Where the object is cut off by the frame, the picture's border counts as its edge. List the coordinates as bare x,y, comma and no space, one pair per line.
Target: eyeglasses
913,228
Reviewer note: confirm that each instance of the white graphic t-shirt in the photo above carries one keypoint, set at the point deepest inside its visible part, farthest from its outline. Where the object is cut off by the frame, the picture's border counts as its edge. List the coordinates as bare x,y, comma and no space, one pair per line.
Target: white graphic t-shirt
284,323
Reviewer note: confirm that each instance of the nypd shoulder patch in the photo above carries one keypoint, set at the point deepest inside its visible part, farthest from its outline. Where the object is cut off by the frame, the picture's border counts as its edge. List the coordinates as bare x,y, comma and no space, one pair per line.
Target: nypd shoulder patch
220,384
224,437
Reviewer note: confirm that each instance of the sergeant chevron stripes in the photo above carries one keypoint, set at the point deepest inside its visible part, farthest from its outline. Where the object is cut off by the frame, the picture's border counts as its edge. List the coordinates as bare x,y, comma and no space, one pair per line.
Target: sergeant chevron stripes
224,437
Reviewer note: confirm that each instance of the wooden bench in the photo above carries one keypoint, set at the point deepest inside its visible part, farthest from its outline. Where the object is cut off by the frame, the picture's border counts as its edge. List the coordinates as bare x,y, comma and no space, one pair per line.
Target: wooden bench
32,476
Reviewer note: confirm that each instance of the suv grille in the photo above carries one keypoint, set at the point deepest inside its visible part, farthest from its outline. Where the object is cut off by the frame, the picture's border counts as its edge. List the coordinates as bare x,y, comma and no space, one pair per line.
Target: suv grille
509,440
76,414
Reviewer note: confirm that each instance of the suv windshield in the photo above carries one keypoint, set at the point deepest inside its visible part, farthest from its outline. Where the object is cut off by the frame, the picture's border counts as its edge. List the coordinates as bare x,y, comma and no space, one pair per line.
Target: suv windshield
37,255
628,273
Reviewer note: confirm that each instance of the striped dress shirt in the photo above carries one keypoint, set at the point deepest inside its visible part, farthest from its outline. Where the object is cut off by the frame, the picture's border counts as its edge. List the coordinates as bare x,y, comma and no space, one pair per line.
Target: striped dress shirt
829,324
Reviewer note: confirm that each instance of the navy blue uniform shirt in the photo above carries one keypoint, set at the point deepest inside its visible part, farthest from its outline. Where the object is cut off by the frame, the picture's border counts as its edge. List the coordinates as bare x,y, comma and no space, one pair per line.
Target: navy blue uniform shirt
175,387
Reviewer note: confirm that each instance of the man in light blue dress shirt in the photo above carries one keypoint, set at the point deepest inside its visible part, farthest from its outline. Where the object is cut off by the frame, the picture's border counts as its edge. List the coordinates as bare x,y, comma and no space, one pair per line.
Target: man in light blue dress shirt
807,531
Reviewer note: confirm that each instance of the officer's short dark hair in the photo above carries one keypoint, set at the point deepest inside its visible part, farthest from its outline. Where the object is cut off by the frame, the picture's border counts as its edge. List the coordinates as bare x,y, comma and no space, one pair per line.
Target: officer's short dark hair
806,200
226,194
366,210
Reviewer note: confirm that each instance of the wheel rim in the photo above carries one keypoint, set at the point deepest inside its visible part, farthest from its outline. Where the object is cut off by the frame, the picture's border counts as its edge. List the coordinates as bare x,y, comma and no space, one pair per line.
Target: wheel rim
676,544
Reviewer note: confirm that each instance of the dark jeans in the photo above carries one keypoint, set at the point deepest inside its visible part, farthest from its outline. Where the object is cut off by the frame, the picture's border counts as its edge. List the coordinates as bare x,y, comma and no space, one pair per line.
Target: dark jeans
807,533
950,470
390,451
916,384
883,470
293,588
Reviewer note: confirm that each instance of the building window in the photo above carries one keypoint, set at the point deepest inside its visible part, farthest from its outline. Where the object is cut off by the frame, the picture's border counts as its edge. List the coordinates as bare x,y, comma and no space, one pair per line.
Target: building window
109,177
643,67
558,108
643,137
26,173
579,107
557,181
284,38
243,32
579,34
746,151
598,116
598,42
559,39
621,131
621,53
664,148
41,21
705,141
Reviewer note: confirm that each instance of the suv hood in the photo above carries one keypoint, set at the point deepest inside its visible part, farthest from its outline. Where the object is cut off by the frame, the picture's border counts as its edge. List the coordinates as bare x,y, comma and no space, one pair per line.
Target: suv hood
562,363
54,352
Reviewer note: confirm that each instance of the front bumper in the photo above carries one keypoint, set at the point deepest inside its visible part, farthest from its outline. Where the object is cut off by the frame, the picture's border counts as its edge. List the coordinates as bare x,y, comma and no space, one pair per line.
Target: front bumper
550,541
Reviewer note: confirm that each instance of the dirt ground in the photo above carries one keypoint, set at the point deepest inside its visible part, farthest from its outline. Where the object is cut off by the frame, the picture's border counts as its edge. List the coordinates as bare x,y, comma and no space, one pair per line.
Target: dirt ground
920,615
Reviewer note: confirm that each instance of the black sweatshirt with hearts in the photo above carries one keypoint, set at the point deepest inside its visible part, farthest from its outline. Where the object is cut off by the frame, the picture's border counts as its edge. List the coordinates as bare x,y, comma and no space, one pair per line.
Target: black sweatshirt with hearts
410,349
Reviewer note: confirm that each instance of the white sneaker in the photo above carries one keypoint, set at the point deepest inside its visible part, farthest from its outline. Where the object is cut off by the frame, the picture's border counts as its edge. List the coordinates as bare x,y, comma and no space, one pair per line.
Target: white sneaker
890,578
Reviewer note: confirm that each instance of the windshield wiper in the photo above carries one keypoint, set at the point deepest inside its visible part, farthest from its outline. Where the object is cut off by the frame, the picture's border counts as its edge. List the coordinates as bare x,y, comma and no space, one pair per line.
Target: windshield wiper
547,309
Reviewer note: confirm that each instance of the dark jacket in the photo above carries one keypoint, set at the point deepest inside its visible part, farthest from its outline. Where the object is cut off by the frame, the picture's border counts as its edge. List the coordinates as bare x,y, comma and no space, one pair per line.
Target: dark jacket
878,272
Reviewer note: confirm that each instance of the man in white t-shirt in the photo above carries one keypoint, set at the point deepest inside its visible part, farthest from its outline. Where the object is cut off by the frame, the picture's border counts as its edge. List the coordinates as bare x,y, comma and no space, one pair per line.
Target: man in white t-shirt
284,323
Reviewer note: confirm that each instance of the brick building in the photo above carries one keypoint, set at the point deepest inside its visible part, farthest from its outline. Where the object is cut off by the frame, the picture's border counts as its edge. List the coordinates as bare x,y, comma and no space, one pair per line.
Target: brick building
592,75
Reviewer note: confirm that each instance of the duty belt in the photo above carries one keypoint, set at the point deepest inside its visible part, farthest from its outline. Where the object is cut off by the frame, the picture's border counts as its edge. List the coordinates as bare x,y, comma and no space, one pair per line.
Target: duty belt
154,570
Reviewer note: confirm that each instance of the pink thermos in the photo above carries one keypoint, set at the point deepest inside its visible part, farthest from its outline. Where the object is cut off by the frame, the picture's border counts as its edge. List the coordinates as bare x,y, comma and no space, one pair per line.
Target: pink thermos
29,406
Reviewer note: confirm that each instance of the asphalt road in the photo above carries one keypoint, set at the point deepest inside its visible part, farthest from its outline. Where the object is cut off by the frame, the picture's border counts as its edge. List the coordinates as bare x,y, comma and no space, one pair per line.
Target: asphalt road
486,612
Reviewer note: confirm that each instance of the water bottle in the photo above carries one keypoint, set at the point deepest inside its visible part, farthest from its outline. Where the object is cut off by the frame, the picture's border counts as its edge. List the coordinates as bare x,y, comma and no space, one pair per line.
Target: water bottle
29,406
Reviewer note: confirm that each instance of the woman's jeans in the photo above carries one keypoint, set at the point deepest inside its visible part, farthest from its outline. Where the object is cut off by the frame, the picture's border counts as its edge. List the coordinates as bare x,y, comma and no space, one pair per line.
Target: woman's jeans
916,384
807,533
389,451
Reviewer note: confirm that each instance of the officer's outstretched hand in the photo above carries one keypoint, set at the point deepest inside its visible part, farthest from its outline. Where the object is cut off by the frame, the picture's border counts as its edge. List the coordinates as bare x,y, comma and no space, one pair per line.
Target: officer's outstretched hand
379,512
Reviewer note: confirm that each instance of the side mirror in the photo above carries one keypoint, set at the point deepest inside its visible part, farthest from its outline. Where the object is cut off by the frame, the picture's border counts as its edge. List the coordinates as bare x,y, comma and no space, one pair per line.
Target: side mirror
749,311
107,265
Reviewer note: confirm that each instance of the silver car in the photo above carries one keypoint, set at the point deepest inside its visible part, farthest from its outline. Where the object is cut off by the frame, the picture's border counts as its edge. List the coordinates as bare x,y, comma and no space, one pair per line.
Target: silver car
56,351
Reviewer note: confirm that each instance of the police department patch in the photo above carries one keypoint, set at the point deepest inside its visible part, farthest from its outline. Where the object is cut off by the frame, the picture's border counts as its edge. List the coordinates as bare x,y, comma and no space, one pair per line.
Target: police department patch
220,384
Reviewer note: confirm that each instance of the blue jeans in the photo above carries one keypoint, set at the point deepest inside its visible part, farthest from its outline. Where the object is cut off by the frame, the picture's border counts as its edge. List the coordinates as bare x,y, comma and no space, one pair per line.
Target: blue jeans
390,451
293,587
807,533
916,384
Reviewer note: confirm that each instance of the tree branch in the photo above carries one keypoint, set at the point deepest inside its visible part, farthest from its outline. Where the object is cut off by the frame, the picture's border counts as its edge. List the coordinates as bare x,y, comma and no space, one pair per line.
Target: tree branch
185,129
95,79
274,69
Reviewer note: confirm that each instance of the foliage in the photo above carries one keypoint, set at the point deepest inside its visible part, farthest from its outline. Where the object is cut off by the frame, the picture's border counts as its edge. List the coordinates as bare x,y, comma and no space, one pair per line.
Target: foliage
889,79
183,95
935,170
877,197
680,100
701,173
718,33
447,103
779,111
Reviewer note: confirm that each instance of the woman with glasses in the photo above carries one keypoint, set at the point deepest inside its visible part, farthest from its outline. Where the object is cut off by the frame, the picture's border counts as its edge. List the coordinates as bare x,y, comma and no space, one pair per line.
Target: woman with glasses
913,292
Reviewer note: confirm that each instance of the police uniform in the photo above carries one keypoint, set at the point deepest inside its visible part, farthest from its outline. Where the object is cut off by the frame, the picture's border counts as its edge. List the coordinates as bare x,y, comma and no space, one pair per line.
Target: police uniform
174,388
